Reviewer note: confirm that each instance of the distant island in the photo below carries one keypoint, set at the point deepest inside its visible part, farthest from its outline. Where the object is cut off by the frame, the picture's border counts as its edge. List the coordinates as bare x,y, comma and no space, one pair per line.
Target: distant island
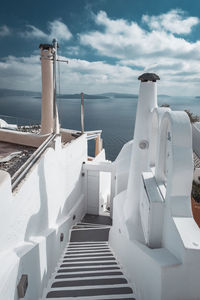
197,97
9,92
163,95
37,95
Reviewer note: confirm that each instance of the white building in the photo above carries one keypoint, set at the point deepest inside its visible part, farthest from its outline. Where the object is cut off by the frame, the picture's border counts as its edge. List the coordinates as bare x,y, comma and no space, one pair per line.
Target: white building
154,235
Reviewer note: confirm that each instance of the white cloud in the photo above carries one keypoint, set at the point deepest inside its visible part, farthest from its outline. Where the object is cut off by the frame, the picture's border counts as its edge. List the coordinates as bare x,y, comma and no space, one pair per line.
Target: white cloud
79,75
177,77
73,50
97,77
34,32
174,21
59,30
4,31
158,49
125,40
20,73
135,49
56,29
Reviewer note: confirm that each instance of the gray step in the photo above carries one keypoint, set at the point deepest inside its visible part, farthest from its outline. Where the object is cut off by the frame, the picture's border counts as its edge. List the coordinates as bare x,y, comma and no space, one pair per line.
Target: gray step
80,248
89,292
91,254
94,219
78,264
88,259
87,246
86,282
88,269
63,276
91,224
84,225
63,270
88,243
83,235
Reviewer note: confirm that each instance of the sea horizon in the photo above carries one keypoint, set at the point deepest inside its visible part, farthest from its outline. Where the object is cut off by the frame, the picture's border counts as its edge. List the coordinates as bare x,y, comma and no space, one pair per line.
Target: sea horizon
115,116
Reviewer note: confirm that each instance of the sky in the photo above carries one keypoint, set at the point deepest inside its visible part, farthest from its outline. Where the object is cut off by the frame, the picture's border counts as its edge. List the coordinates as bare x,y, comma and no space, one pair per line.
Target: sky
108,44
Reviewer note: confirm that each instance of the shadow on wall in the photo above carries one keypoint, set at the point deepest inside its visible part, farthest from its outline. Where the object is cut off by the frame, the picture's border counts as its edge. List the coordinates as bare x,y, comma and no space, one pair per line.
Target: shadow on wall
39,256
74,194
34,262
41,217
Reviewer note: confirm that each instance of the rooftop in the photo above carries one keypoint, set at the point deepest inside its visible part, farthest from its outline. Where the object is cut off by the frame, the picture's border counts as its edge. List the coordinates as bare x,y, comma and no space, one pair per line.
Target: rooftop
13,156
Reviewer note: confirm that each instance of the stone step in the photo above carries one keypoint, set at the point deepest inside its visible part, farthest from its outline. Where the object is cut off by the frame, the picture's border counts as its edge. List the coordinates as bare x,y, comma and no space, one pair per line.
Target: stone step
88,282
79,275
89,292
88,268
96,234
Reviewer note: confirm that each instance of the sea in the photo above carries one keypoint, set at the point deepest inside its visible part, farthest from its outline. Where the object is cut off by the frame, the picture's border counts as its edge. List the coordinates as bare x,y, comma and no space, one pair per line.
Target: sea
115,116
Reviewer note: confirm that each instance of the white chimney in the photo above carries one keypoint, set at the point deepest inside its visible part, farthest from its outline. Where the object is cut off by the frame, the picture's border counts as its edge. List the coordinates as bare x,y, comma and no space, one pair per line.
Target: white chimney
139,161
49,115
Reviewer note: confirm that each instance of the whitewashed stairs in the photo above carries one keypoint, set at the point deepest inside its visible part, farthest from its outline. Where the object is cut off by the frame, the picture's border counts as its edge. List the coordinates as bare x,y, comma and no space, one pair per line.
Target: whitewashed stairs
88,268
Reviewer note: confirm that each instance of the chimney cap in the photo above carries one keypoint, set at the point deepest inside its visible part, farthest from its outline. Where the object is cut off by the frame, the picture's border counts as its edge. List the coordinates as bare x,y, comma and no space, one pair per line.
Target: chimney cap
46,46
148,77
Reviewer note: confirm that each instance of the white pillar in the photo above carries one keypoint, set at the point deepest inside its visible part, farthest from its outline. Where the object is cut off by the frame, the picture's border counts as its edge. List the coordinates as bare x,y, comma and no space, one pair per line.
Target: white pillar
139,159
47,118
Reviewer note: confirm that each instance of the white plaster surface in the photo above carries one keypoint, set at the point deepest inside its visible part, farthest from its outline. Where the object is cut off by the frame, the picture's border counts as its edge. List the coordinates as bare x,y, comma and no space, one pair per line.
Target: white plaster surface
98,182
139,157
32,218
170,272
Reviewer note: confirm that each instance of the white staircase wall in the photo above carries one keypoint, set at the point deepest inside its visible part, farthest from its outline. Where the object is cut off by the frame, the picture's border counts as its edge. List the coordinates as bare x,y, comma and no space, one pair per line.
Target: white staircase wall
47,202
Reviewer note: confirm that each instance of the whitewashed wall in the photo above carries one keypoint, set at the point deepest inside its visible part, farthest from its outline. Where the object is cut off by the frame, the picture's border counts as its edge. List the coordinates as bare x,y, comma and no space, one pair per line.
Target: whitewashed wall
32,218
169,269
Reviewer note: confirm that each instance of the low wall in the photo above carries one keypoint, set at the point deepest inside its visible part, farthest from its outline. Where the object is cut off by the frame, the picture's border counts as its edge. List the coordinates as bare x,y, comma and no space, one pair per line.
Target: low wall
22,138
32,218
149,270
67,135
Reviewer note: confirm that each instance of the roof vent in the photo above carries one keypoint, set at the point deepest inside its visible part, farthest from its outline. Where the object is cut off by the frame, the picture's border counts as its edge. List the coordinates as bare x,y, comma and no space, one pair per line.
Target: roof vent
45,46
148,77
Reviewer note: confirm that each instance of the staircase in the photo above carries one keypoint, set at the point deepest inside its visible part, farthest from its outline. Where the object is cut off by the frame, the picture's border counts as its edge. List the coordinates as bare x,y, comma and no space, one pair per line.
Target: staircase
88,268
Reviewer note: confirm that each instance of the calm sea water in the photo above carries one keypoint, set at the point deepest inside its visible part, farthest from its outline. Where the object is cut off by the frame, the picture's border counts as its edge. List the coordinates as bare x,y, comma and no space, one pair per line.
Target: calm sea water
116,117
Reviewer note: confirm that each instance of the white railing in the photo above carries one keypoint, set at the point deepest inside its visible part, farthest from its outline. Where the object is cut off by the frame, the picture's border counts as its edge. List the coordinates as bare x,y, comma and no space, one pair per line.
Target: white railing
24,169
95,135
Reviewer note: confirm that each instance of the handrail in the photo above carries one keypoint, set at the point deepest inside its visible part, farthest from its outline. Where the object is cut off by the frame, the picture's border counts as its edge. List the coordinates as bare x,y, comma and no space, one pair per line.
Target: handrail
92,137
23,170
95,135
93,132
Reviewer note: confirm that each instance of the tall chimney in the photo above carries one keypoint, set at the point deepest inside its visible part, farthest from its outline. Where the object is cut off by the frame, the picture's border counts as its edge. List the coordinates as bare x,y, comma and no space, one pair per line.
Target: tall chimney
47,118
147,101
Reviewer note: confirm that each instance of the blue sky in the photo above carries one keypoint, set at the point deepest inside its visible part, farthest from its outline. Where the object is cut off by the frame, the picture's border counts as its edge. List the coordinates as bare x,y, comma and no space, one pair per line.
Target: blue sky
108,43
